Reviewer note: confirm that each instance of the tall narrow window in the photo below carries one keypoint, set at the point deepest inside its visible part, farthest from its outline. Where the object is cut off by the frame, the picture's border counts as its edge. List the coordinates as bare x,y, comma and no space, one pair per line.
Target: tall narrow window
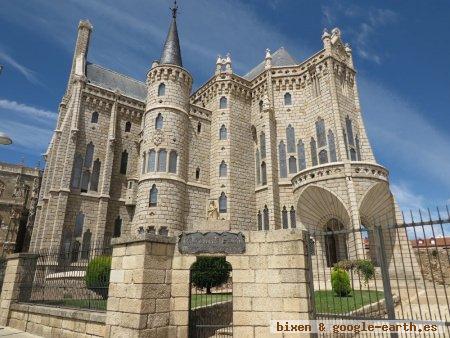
197,174
290,137
323,156
117,227
261,106
144,161
95,175
266,218
76,172
358,149
159,121
222,203
345,143
282,159
199,127
89,156
292,216
332,146
254,134
262,144
320,132
287,99
86,244
263,173
292,165
153,198
223,102
260,222
162,157
353,154
124,162
313,151
79,223
223,132
284,218
257,162
151,161
223,169
85,179
128,127
162,89
94,117
301,155
349,126
173,158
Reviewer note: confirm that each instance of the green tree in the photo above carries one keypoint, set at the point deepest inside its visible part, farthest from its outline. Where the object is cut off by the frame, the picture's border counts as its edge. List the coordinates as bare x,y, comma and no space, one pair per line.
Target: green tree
340,282
97,275
208,272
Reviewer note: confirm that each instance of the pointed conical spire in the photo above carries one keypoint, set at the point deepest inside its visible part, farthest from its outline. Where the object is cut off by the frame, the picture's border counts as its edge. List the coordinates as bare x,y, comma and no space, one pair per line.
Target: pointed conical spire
171,54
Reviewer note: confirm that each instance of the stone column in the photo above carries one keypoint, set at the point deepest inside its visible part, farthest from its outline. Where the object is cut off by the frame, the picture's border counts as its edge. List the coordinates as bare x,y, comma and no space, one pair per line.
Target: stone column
140,287
19,272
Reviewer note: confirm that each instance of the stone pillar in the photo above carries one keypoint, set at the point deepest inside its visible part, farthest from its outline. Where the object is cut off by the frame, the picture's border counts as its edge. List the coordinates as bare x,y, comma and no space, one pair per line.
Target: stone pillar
19,270
140,287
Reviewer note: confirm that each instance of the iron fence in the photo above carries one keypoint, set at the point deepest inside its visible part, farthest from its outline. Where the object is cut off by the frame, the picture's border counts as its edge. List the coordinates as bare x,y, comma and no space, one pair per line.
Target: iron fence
72,277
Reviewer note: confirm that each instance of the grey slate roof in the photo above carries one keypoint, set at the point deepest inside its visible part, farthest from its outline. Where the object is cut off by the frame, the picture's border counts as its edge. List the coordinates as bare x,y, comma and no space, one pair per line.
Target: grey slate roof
111,80
171,54
280,58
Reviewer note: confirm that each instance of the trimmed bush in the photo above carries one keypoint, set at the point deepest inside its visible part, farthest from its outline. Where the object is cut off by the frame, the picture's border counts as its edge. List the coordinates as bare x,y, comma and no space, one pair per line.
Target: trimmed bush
97,275
366,269
340,282
208,272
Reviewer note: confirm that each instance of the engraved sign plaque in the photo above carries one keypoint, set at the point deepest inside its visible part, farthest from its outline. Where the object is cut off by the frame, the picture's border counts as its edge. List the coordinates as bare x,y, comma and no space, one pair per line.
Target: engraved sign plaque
211,242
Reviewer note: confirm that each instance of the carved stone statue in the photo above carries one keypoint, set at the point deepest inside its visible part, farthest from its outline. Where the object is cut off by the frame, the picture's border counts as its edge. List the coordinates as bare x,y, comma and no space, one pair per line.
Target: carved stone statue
213,213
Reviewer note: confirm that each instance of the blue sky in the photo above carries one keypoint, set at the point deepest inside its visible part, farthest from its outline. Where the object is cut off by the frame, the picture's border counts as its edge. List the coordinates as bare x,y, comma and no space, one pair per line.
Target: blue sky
400,50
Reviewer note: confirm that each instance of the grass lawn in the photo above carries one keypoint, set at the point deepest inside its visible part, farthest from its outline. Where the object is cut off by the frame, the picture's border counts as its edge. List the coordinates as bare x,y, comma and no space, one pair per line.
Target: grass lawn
328,302
204,299
94,304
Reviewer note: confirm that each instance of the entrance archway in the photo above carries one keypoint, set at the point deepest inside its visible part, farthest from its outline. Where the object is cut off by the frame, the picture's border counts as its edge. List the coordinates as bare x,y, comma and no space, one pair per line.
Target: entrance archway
335,243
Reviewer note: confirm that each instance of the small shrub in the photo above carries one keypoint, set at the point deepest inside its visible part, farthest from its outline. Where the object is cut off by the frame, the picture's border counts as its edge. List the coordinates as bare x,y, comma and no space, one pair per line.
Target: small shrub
340,282
434,253
366,269
97,275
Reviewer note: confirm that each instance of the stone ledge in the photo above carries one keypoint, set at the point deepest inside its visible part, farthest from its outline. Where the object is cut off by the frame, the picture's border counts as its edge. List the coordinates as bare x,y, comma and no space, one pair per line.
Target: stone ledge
77,314
21,255
144,238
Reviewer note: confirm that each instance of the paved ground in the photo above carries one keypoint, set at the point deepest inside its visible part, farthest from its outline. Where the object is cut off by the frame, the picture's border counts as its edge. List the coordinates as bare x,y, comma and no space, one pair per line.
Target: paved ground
10,332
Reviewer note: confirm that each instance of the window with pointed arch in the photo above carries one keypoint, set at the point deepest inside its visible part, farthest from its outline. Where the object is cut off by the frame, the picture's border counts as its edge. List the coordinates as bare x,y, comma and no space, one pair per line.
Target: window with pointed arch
287,99
301,155
117,227
292,217
127,126
95,175
262,144
282,159
223,103
313,151
124,162
320,133
284,218
173,160
353,154
263,173
223,169
161,89
79,224
162,159
266,217
332,146
290,139
292,165
153,197
223,203
223,132
85,179
89,156
349,127
254,134
159,122
344,134
323,156
260,221
94,117
151,161
76,172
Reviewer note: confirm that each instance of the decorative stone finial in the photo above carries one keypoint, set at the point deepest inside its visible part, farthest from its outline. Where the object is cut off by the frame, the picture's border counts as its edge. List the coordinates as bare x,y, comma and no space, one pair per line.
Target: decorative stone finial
228,68
85,24
268,55
268,59
325,34
348,49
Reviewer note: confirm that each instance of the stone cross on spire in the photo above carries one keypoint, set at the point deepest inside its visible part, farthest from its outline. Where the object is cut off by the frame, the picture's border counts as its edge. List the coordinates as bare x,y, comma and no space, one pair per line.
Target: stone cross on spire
174,9
171,54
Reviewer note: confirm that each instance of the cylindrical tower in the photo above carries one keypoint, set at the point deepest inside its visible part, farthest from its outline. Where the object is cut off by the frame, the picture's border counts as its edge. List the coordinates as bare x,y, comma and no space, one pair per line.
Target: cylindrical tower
161,194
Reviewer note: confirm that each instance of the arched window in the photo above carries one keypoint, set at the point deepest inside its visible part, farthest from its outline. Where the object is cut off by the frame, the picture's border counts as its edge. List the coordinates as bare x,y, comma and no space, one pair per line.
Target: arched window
159,121
199,127
94,117
161,89
95,175
348,125
332,146
153,198
292,216
79,223
266,218
86,244
162,157
284,218
223,102
75,252
290,138
301,155
282,159
323,157
263,173
173,158
262,144
197,174
254,134
117,227
292,165
320,132
128,127
313,151
261,106
257,162
85,179
151,161
358,149
353,154
144,161
76,173
223,170
345,143
287,99
223,132
260,225
222,203
124,162
89,156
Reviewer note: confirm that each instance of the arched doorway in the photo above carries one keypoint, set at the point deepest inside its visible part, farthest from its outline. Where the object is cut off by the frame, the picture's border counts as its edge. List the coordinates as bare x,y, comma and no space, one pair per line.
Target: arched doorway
335,242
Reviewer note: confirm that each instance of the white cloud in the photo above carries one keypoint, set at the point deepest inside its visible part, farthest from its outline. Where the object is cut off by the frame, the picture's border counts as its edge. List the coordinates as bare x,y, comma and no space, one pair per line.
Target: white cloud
27,136
24,109
406,198
28,73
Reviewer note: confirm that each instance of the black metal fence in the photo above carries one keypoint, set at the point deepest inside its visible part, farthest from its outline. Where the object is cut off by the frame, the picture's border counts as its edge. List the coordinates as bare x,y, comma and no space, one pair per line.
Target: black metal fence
71,277
395,271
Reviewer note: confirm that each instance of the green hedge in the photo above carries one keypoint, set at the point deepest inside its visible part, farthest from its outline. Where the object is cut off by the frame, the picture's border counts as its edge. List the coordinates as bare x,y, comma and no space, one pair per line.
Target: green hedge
97,275
340,282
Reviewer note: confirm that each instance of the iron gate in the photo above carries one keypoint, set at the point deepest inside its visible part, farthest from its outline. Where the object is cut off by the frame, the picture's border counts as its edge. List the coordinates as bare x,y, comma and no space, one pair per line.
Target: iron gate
396,271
